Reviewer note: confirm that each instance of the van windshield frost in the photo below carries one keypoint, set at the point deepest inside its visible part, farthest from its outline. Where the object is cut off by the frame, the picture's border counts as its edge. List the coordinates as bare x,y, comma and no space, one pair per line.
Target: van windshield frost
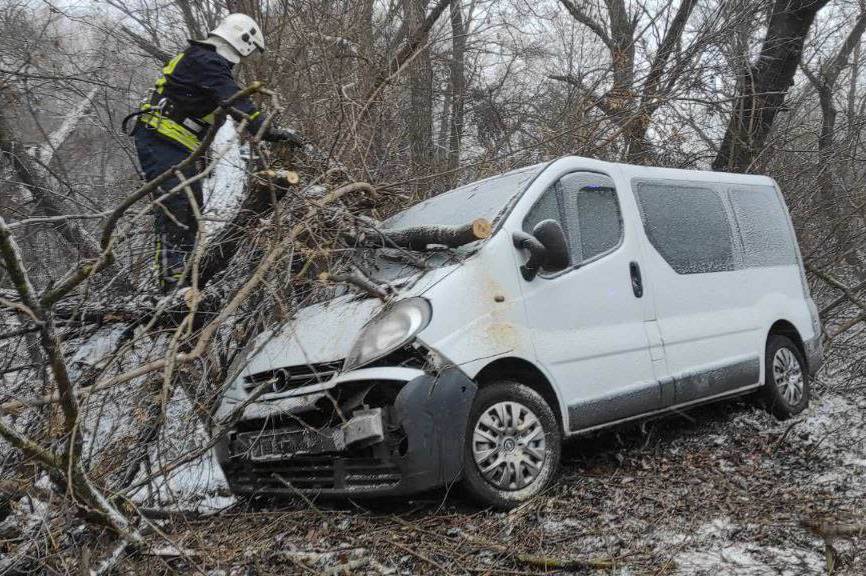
487,198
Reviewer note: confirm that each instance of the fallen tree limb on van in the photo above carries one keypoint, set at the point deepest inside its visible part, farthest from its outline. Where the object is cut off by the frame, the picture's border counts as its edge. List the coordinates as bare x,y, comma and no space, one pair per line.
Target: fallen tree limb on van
356,278
199,345
420,237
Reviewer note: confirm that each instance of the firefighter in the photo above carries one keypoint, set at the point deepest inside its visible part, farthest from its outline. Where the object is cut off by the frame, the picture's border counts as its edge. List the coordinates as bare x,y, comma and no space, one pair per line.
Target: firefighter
172,122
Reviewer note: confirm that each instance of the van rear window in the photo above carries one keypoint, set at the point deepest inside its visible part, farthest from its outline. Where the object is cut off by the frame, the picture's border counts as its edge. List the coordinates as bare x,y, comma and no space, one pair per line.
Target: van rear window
688,226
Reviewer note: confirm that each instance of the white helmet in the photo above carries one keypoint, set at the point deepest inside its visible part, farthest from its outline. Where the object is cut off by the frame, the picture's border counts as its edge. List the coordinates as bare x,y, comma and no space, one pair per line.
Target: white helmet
241,32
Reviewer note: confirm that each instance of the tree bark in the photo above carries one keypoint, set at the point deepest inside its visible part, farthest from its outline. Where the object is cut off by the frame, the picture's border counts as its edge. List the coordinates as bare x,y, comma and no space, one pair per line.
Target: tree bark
29,176
825,84
419,237
639,149
763,89
457,88
631,108
420,114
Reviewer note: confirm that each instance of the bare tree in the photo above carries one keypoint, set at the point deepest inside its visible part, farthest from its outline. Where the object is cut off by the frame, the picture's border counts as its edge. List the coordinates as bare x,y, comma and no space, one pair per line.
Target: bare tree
764,86
628,103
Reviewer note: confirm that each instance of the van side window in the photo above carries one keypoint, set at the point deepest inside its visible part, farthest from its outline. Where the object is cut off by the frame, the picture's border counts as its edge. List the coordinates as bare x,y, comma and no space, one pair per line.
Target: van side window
688,225
592,219
545,208
763,226
586,206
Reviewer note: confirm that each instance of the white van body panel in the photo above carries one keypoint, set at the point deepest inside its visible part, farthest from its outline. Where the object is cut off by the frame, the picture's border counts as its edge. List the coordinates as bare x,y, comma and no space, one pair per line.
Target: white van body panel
586,324
478,315
325,332
640,325
319,333
714,325
583,330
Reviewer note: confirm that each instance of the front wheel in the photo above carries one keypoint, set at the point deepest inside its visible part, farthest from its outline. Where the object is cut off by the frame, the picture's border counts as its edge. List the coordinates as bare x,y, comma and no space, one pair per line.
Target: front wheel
786,382
512,445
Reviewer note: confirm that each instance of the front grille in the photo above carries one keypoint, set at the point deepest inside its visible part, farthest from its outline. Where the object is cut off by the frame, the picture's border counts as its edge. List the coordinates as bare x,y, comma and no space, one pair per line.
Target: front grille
325,473
277,443
292,377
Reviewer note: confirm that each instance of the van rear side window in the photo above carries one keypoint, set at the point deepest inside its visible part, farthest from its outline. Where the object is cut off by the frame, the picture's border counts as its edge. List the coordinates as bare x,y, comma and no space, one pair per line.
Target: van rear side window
688,226
763,227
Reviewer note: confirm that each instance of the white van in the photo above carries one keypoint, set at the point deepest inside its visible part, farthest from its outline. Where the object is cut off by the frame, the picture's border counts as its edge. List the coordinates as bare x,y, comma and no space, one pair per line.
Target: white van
606,293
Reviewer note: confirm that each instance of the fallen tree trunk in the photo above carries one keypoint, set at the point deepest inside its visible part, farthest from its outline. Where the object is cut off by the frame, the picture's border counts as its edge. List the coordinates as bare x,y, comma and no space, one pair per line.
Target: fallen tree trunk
266,189
419,237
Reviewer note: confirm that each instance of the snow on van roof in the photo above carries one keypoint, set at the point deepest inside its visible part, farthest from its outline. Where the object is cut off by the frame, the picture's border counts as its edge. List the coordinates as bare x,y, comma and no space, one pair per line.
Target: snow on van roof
635,171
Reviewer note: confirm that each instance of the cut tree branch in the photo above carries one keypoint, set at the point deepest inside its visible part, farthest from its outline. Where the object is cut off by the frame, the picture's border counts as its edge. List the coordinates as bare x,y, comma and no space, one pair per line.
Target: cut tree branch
420,237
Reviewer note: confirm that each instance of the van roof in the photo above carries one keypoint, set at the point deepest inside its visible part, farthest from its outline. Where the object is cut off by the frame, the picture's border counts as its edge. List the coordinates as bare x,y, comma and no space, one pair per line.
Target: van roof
635,171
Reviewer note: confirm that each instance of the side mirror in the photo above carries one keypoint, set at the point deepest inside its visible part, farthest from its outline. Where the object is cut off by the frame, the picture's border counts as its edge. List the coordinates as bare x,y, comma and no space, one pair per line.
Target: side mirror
547,248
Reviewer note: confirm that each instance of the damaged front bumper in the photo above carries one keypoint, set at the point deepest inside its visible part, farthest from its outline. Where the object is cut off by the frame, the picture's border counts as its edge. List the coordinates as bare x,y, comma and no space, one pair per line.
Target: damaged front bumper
358,438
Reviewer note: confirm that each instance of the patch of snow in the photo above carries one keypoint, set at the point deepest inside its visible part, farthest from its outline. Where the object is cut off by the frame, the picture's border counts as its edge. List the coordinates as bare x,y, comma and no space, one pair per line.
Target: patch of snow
667,538
740,559
825,420
195,485
718,439
170,550
718,528
96,349
560,525
834,429
198,484
224,189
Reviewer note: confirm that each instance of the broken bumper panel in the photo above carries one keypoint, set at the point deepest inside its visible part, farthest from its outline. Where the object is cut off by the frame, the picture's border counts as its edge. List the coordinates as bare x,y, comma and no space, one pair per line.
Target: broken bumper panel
413,445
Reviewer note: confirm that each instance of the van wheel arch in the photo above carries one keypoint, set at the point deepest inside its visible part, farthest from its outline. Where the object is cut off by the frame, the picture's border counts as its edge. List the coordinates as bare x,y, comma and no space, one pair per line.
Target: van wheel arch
788,330
526,373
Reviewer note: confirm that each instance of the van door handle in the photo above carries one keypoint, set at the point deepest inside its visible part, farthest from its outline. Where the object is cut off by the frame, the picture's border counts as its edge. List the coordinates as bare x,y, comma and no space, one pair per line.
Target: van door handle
636,280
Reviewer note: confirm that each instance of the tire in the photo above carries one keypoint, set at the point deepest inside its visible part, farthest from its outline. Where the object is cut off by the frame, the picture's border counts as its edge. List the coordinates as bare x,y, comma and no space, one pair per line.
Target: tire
520,467
786,380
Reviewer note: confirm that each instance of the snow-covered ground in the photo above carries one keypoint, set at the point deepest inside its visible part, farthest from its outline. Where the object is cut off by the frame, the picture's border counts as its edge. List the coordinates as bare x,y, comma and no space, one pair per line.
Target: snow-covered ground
722,490
198,485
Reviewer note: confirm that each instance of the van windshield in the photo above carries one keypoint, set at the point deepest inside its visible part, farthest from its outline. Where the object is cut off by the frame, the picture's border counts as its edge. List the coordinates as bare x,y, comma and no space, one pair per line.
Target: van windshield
488,198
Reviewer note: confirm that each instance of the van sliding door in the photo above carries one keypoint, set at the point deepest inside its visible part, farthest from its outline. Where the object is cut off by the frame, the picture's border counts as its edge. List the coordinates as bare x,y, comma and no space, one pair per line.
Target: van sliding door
702,296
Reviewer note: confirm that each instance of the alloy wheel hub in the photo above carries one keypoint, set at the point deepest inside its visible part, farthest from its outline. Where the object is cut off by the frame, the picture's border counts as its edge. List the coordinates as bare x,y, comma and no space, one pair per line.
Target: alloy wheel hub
788,376
508,445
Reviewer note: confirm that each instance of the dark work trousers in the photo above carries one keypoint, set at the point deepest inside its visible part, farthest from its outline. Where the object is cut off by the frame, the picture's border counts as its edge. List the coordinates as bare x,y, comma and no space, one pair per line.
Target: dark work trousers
175,234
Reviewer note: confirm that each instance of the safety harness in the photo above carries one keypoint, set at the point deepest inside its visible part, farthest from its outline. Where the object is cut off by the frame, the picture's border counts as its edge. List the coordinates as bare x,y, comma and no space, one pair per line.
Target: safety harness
159,113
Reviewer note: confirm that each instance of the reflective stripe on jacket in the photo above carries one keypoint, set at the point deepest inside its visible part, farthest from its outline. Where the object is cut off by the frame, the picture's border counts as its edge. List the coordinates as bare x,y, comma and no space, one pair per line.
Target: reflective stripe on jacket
190,89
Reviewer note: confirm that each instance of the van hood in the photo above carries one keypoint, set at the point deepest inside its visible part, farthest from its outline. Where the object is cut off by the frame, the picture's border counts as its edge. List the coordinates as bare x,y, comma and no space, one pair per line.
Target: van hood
325,332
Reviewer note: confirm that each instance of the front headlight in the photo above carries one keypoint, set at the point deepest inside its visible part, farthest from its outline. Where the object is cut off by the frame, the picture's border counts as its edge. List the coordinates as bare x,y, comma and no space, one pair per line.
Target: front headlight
388,331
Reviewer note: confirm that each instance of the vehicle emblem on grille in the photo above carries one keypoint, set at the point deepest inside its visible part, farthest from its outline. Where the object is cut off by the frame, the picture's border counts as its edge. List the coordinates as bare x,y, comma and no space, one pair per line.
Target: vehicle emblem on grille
281,376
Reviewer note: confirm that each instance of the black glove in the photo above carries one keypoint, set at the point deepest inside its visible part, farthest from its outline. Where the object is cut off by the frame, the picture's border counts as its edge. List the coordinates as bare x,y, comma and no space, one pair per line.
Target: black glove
277,134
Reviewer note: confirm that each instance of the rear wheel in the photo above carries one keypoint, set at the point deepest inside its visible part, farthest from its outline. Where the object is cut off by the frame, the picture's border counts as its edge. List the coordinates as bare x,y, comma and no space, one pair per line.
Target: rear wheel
512,446
786,382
